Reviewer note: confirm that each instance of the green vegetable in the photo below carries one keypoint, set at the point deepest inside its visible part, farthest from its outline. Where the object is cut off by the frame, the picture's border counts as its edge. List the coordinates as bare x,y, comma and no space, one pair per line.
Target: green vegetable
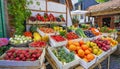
33,28
3,49
80,33
63,56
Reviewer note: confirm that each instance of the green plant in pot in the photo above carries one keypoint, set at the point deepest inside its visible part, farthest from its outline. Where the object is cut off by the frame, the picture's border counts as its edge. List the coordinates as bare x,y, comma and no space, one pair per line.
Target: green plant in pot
75,22
19,12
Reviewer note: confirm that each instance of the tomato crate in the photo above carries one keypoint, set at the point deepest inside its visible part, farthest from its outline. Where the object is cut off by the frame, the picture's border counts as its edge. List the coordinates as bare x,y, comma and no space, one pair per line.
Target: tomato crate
54,43
36,63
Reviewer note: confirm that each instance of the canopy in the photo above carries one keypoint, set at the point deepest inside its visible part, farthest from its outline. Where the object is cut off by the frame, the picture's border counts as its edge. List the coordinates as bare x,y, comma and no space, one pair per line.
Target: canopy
76,12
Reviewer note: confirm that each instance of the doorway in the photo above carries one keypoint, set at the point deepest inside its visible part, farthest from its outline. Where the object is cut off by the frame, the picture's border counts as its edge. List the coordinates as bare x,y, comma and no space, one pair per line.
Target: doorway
106,21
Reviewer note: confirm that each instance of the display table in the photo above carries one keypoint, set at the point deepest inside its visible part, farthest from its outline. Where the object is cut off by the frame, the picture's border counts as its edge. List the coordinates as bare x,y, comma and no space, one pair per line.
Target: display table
25,67
54,65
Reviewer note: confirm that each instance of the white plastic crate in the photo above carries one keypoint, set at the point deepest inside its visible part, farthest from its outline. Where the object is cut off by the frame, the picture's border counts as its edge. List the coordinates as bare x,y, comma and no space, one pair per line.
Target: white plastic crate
38,62
54,43
114,48
101,55
87,65
43,34
59,63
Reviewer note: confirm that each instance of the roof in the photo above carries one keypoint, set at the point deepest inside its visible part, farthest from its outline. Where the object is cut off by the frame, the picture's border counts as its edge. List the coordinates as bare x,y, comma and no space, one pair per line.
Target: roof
110,5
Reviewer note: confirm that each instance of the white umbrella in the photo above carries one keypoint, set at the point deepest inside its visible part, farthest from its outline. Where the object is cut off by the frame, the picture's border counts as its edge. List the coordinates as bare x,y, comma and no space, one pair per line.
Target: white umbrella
78,12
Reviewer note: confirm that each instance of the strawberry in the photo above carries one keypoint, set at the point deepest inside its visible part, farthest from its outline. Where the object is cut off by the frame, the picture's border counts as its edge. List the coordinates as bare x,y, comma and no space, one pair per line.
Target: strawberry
32,59
17,59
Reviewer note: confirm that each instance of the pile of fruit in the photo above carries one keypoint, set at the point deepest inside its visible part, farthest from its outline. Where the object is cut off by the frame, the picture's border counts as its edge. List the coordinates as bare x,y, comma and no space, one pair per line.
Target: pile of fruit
23,54
89,34
81,49
63,56
58,38
95,31
57,28
72,28
18,39
95,49
38,37
38,44
112,41
103,44
47,30
71,35
46,18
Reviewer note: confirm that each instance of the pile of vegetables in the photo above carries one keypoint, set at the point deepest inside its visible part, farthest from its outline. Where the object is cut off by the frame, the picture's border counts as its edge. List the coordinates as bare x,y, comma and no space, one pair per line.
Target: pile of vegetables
107,30
84,26
63,56
3,49
80,32
18,39
28,34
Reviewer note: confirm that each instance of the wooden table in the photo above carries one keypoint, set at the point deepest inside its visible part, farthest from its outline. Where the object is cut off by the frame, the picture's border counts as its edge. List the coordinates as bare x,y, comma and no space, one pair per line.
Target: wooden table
23,67
54,65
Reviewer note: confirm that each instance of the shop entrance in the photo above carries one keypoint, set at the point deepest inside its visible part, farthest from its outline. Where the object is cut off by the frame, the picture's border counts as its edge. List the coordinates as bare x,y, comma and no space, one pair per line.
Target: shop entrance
106,22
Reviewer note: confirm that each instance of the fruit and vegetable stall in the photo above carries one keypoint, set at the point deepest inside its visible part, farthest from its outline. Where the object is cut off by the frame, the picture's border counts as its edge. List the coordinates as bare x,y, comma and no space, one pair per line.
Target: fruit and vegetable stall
48,40
82,48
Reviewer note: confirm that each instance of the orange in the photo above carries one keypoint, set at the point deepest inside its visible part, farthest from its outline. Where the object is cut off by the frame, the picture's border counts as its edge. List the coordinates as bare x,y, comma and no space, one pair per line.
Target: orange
72,47
84,47
85,59
87,52
76,43
81,42
81,53
70,42
78,48
90,49
90,57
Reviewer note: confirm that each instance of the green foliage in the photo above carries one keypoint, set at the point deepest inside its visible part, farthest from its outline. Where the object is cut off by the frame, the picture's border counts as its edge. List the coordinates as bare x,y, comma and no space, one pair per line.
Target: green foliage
101,1
3,49
75,20
19,11
33,28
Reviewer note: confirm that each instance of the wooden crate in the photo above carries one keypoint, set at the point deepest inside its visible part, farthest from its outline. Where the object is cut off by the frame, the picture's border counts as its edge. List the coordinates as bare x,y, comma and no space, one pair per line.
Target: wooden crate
54,65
